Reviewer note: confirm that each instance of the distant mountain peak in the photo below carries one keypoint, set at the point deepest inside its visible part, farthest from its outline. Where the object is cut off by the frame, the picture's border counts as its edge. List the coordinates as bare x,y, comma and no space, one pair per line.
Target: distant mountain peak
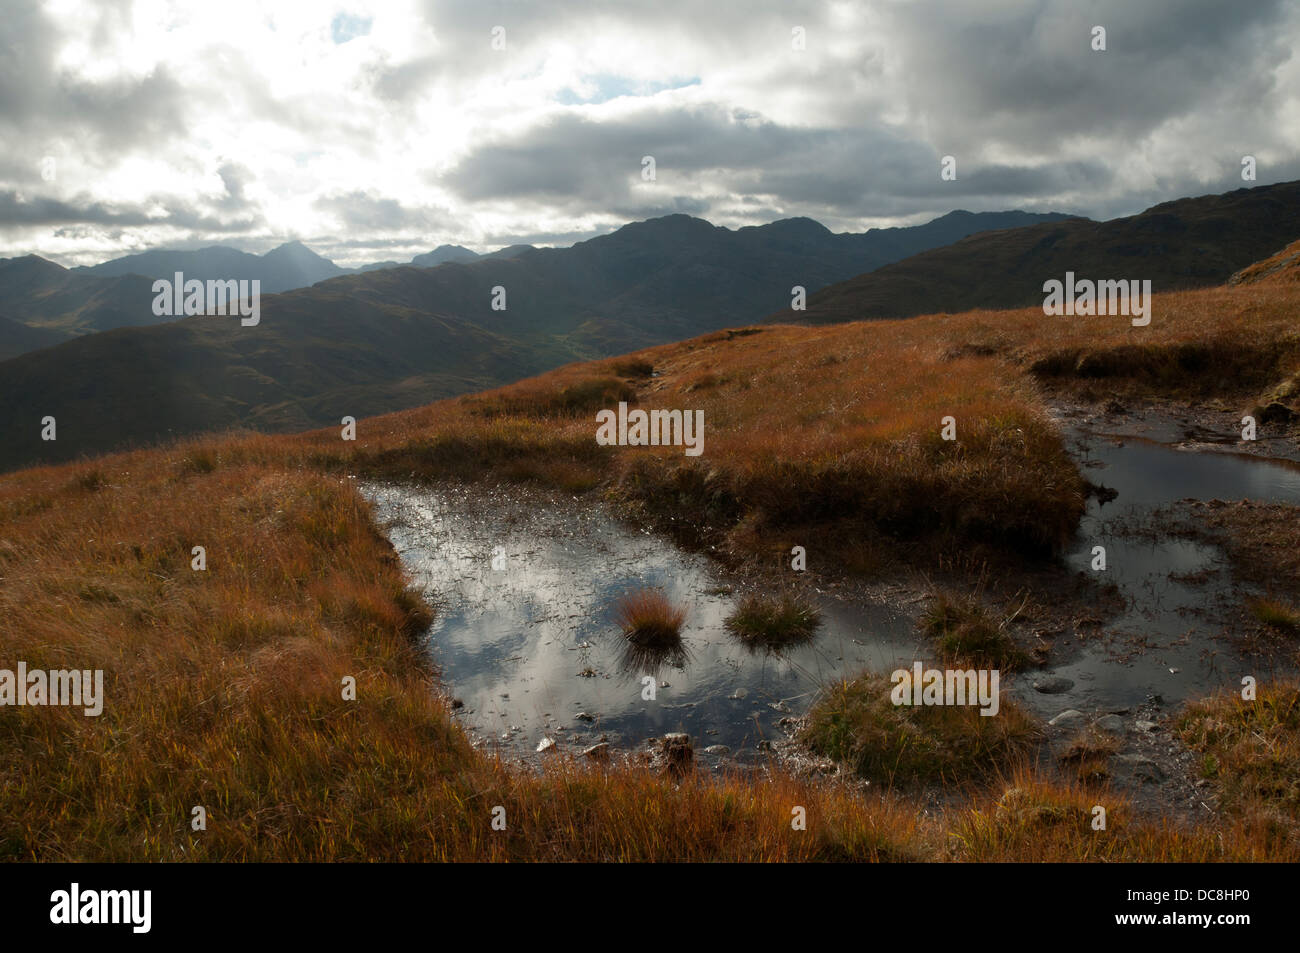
294,248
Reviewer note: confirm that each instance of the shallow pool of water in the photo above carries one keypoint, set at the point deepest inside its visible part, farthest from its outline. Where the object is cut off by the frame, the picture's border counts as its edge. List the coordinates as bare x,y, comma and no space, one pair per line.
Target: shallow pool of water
531,645
1180,592
526,585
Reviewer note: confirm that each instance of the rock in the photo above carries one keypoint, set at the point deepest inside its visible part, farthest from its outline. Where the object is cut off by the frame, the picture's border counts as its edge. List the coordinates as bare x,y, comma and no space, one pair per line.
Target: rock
1275,412
1070,716
738,694
779,706
1146,726
677,751
1142,767
717,750
585,716
546,744
1112,723
1053,684
457,703
597,752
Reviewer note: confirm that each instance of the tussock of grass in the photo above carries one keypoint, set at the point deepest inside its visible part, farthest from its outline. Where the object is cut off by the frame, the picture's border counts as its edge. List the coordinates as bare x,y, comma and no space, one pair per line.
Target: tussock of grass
1088,754
1277,614
774,622
580,397
967,633
856,723
1252,750
648,618
633,368
1028,818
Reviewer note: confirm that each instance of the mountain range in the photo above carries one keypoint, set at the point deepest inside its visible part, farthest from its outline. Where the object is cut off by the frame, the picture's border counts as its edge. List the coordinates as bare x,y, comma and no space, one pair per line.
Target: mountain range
1187,243
390,338
396,337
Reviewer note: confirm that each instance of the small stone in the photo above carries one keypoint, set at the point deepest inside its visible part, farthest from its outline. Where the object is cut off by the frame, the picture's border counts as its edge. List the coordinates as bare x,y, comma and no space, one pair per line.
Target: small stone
457,703
1142,767
597,752
1146,726
1068,717
717,750
677,751
1053,685
1112,723
586,716
546,744
738,694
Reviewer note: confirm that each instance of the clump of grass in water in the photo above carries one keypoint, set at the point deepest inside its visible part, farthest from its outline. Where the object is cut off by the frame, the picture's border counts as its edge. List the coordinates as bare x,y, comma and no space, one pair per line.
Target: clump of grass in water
966,631
649,620
1089,754
1277,615
774,623
857,723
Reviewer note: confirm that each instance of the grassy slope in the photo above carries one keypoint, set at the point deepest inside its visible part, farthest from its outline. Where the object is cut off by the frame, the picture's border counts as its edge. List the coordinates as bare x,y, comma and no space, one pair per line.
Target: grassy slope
224,686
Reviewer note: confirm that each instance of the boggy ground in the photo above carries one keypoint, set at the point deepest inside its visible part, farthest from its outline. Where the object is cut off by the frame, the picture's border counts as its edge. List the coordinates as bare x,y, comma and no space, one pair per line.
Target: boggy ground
223,685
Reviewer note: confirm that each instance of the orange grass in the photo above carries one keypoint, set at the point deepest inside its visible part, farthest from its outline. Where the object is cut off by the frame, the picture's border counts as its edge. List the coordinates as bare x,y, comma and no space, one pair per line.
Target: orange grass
224,686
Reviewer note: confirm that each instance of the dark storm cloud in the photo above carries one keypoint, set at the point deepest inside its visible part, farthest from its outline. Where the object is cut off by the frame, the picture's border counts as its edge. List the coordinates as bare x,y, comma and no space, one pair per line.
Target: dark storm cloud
595,166
18,210
365,210
1026,73
577,159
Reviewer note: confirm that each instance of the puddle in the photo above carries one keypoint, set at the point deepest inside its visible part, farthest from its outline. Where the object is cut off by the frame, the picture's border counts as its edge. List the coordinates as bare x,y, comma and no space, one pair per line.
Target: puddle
530,646
513,643
1179,592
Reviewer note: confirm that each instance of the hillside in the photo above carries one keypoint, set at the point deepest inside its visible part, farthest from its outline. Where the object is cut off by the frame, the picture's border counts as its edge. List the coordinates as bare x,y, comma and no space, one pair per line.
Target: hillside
1283,267
1188,243
379,341
41,294
225,683
18,338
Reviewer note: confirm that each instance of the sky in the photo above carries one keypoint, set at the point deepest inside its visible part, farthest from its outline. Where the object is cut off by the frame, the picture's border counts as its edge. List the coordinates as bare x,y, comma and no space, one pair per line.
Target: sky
379,129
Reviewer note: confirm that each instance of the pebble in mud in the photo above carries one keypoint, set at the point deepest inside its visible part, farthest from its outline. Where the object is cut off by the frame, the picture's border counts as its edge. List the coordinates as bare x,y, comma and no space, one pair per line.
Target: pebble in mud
1053,684
597,752
1142,767
1111,723
1070,716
